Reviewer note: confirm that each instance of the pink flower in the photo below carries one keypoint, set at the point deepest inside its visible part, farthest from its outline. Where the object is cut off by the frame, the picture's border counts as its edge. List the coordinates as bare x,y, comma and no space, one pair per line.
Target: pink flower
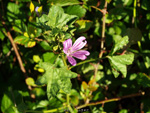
74,50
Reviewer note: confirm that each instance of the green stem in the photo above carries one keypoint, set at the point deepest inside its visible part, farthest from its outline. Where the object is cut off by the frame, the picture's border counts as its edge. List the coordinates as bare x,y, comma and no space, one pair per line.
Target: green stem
86,61
67,96
68,103
134,14
48,111
64,61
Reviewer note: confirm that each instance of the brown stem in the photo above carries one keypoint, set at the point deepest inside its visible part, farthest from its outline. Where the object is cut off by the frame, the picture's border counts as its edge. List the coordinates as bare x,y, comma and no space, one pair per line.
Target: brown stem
111,100
103,30
14,47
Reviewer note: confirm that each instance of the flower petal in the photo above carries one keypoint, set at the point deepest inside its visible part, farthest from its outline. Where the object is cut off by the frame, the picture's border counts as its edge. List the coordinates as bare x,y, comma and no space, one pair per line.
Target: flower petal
67,44
71,60
36,9
79,43
81,54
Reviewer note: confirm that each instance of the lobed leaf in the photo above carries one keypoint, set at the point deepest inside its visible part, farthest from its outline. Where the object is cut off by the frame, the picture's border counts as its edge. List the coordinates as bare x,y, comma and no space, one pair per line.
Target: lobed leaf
119,63
76,10
56,79
119,43
57,17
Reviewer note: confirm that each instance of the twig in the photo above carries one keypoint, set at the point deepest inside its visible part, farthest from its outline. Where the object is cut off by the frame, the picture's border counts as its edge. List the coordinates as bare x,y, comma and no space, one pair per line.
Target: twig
111,100
13,45
103,30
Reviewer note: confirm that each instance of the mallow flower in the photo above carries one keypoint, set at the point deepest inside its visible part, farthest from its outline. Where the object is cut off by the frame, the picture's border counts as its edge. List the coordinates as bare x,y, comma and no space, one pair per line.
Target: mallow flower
75,50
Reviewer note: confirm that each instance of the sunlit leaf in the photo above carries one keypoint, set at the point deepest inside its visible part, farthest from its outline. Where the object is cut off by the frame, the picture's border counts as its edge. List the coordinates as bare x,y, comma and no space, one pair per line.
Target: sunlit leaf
36,58
26,34
40,70
76,10
108,1
119,63
6,103
83,25
31,7
31,43
57,17
13,11
56,79
49,57
40,9
30,81
21,40
119,43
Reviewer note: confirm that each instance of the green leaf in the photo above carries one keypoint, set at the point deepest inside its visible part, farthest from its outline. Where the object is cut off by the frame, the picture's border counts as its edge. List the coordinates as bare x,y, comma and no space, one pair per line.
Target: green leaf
134,35
31,43
49,57
124,2
12,102
2,36
145,5
6,103
83,25
36,58
117,13
23,40
123,111
119,43
13,10
30,81
76,10
57,17
19,26
45,45
5,49
56,79
41,104
119,63
143,79
108,1
63,2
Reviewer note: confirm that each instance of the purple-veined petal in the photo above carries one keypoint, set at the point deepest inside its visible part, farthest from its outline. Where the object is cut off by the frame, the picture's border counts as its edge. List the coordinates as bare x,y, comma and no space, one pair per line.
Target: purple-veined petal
81,54
67,44
79,43
71,60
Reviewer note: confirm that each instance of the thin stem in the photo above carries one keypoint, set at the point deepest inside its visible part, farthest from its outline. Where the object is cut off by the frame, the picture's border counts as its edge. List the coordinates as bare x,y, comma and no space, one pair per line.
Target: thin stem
111,100
48,111
64,60
103,30
67,95
86,61
134,14
14,46
68,103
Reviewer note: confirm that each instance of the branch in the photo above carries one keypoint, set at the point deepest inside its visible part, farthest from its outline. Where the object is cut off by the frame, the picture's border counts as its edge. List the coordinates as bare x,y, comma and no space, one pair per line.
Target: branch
14,47
111,100
103,30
